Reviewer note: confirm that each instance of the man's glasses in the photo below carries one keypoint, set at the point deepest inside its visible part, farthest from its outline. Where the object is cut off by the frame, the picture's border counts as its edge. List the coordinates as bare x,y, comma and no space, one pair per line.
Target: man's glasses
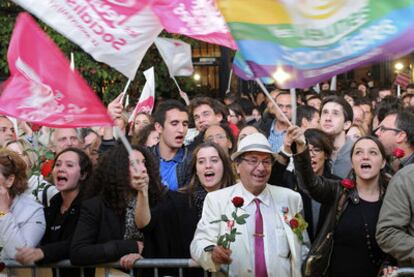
256,162
383,129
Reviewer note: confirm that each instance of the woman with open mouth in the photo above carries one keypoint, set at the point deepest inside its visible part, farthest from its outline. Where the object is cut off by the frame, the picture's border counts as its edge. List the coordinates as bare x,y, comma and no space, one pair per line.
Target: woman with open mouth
70,174
212,170
346,244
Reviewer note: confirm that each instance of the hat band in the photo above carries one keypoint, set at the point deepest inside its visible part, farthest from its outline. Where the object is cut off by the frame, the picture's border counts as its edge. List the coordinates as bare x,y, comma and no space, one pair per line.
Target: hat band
256,146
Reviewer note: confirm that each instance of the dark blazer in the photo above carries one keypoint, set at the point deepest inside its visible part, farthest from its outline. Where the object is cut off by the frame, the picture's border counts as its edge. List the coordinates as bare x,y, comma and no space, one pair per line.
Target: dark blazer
99,235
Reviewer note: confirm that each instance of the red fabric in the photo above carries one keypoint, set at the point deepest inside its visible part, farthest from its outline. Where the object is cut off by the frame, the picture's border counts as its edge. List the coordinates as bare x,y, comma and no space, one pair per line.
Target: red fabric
42,88
234,129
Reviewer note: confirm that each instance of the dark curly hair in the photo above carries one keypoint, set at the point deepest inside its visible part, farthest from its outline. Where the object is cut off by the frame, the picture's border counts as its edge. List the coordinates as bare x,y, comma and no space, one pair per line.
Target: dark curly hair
12,164
111,178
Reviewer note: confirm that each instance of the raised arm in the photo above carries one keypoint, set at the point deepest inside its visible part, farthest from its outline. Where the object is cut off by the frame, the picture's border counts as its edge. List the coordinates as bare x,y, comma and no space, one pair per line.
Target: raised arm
319,188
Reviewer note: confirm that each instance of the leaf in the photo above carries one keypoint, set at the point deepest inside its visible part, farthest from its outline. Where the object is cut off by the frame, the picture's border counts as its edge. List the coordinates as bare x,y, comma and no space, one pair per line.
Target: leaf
215,221
231,237
224,218
49,155
240,220
244,216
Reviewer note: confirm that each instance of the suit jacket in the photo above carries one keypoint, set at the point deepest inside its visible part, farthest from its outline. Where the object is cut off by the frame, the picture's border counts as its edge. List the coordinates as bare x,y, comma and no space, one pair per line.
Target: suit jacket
218,203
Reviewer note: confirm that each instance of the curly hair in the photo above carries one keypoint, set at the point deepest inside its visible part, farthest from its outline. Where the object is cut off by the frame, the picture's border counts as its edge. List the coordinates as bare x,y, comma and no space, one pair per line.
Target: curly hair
111,179
85,165
228,177
12,164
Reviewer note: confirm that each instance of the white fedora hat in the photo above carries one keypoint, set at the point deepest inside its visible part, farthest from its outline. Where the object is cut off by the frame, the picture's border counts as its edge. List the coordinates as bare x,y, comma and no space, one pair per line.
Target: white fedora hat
256,142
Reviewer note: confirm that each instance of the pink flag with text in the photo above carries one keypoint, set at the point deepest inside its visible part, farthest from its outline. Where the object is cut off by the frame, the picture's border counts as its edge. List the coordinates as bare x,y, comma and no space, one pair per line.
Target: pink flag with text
199,19
42,88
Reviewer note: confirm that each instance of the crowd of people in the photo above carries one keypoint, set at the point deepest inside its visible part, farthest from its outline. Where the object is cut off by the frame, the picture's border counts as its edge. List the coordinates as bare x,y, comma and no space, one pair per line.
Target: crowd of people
328,195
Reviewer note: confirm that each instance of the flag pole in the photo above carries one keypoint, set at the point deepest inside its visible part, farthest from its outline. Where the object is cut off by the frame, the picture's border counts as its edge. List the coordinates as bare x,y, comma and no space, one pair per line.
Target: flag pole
127,146
125,90
229,82
176,83
72,61
293,102
259,82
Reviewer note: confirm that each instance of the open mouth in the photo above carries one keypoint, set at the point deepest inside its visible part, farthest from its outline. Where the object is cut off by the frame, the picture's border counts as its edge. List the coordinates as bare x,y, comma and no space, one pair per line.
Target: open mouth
366,166
61,178
209,176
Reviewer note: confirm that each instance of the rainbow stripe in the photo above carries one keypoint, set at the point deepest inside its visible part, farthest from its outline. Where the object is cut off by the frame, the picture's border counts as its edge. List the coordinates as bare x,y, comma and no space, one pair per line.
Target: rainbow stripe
315,40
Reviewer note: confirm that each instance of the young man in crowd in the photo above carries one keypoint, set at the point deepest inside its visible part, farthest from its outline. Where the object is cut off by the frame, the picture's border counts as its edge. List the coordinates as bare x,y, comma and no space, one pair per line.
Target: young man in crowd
171,121
336,118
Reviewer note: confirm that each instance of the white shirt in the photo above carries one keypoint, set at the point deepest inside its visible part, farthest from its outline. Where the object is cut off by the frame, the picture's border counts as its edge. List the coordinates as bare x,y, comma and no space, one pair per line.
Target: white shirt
276,245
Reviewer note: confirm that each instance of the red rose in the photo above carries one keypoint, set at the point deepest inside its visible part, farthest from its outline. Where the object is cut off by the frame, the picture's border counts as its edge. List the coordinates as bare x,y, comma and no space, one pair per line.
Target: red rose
294,223
347,183
46,168
398,153
237,201
36,127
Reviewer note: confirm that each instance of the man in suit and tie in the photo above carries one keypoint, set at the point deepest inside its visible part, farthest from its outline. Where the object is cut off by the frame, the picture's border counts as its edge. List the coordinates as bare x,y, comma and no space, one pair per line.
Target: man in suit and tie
267,246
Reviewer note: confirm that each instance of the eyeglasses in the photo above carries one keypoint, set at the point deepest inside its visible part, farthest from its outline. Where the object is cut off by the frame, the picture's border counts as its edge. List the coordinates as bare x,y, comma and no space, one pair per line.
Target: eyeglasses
256,162
383,129
315,150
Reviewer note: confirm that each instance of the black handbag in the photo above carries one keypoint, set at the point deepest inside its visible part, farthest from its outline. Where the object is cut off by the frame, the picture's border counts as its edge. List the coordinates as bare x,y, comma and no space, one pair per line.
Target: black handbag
318,259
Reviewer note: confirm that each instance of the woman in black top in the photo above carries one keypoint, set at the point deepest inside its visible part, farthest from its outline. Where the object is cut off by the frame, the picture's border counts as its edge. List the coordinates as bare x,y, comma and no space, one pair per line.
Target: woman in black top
70,173
355,250
100,235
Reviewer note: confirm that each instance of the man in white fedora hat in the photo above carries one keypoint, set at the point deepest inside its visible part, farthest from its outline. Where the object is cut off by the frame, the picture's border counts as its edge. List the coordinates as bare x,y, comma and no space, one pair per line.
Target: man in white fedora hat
267,244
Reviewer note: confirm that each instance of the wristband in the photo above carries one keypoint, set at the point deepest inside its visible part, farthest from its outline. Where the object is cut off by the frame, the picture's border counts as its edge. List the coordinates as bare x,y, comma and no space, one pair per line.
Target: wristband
284,154
209,248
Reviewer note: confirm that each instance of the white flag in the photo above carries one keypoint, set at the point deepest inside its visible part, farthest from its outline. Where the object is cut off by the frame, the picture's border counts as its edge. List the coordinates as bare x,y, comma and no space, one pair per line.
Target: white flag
146,100
117,33
176,55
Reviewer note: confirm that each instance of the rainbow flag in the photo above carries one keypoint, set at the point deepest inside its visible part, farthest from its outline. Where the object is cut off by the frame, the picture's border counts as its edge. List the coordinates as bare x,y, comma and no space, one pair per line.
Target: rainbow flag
306,42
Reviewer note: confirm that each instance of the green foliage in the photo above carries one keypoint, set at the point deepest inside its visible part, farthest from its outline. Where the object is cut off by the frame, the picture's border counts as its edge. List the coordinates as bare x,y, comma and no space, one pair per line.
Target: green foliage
104,80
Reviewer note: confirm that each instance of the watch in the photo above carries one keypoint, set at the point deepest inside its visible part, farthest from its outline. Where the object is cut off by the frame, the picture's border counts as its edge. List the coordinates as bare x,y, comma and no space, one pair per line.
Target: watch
209,248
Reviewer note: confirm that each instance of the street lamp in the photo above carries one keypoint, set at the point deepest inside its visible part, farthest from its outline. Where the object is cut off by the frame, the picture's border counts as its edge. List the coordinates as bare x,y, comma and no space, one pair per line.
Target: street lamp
398,66
196,77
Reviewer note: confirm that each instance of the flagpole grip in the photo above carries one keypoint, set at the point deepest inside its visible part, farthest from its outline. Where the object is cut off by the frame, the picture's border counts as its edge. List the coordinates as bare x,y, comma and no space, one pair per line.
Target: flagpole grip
259,82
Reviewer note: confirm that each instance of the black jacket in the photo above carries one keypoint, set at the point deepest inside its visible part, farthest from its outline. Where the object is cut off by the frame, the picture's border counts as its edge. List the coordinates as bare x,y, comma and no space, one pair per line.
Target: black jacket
98,237
182,169
55,243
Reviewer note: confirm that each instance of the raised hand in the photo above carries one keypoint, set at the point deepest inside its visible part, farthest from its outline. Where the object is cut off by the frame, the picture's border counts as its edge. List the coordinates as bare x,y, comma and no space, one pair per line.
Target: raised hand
115,107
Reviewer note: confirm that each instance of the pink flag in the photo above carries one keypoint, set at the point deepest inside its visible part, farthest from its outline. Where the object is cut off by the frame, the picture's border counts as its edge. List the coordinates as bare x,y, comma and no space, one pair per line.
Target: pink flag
42,88
199,19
